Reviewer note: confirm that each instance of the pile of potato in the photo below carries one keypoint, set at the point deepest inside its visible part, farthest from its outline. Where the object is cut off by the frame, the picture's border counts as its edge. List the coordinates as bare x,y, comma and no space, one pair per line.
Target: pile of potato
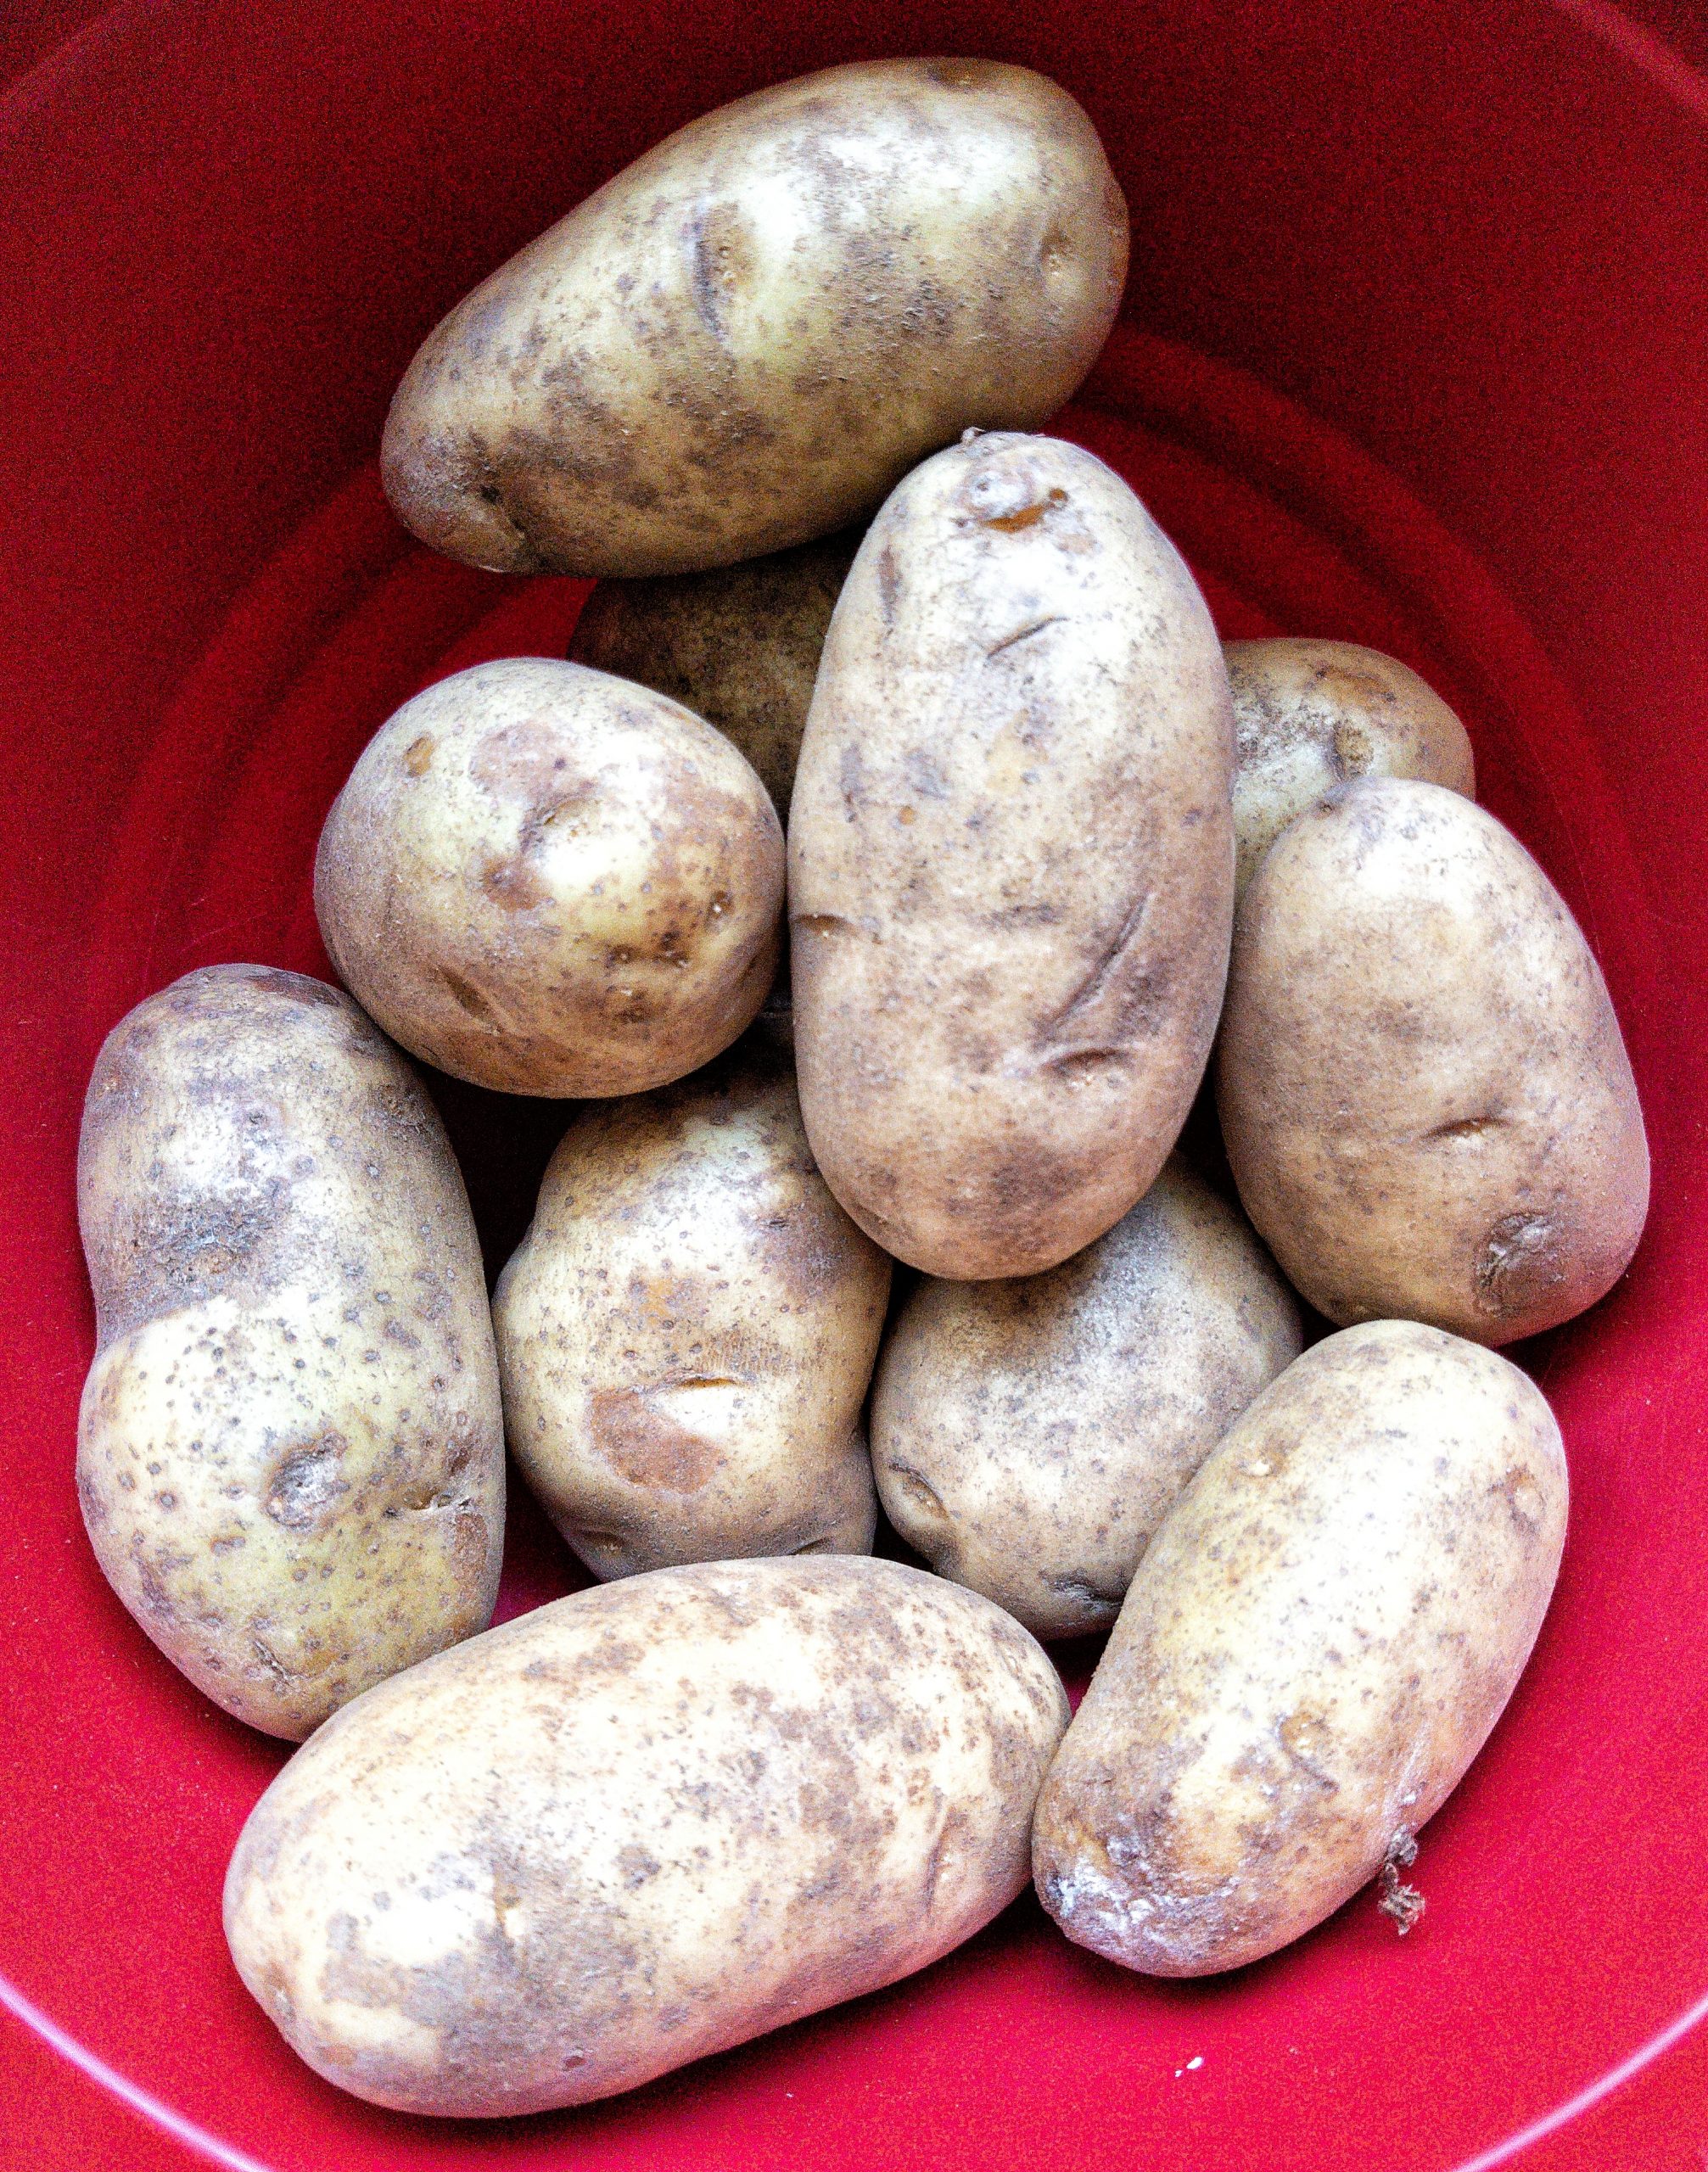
1034,811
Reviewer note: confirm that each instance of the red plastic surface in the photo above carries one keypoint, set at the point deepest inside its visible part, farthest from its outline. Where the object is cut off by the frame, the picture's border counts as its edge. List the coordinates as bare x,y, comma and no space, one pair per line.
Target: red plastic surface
1416,353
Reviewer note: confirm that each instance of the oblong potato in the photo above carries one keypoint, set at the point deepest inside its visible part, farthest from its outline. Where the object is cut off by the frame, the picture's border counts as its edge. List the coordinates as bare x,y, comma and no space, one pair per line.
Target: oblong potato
1011,861
639,1824
1028,1436
549,882
748,337
739,646
290,1456
686,1332
1311,714
1320,1640
1426,1098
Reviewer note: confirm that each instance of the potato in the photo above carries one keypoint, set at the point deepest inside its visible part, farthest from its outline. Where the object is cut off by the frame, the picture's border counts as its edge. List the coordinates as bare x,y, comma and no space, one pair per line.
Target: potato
687,1333
749,336
290,1457
739,646
1310,714
1426,1101
546,881
1011,862
642,1824
1029,1436
1318,1642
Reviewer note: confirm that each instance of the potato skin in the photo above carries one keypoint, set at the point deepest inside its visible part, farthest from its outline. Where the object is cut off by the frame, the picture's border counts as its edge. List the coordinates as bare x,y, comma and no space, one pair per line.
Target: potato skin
1426,1101
1011,862
546,881
739,646
639,1824
1318,1641
1028,1436
1311,714
687,1333
752,333
290,1456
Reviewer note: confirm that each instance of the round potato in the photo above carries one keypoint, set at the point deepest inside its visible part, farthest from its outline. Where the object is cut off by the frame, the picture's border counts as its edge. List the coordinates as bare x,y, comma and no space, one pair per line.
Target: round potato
749,336
1011,862
1317,1644
1029,1436
648,1821
740,646
686,1332
1308,715
549,881
290,1457
1426,1101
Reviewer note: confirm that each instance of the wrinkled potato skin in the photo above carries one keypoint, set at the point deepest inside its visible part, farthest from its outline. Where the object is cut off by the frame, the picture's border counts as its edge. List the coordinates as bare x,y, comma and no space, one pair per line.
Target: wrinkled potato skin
739,646
1318,1641
290,1457
1029,1436
749,336
1309,715
687,1333
639,1824
546,881
1011,862
1427,1100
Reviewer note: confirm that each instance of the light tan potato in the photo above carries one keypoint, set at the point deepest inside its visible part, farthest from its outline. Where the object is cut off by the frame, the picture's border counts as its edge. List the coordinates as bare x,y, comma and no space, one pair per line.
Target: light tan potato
751,334
1011,862
639,1824
740,646
549,882
1029,1436
290,1457
1318,1642
1426,1101
686,1332
1309,715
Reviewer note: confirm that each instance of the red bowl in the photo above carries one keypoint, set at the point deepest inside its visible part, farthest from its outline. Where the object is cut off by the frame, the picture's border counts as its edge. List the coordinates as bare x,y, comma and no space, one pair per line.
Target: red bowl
1416,353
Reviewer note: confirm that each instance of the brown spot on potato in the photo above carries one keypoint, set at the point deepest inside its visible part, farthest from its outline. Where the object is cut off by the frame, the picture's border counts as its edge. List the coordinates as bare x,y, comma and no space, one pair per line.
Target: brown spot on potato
1465,1128
418,758
1520,1261
646,1448
469,997
512,884
1524,1497
918,1488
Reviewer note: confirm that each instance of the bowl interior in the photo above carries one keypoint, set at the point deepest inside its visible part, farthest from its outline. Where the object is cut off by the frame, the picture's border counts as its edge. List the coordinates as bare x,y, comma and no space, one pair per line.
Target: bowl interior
1413,355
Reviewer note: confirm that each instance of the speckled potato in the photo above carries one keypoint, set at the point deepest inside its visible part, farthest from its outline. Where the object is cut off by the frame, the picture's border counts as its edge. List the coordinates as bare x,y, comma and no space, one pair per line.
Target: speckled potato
1317,1644
1028,1436
1309,715
740,646
687,1333
1426,1101
1011,861
547,880
290,1457
751,334
639,1824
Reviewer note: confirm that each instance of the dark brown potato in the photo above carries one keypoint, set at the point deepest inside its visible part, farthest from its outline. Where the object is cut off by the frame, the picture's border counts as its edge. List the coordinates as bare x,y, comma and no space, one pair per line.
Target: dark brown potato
291,1460
1426,1101
740,646
747,338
